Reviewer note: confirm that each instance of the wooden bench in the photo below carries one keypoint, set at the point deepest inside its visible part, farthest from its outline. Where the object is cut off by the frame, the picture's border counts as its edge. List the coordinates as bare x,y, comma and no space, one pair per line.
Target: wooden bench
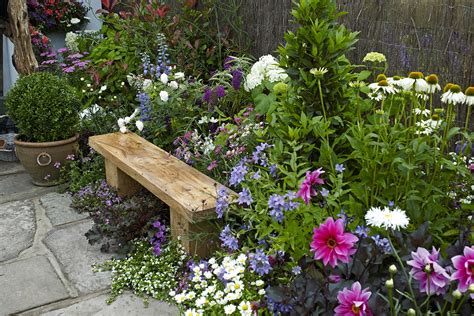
132,162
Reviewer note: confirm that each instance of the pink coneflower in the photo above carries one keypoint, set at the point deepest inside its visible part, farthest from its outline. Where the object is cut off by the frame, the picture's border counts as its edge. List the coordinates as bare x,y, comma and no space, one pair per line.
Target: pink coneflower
307,187
425,268
353,302
330,244
464,266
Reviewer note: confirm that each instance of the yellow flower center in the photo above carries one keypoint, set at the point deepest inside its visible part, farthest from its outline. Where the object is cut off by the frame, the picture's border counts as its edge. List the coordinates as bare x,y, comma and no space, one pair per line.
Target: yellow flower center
415,75
470,92
381,77
383,83
432,79
455,88
355,309
447,87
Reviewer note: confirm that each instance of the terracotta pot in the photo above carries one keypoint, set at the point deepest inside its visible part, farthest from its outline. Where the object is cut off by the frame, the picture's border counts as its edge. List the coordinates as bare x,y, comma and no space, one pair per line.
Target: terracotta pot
43,160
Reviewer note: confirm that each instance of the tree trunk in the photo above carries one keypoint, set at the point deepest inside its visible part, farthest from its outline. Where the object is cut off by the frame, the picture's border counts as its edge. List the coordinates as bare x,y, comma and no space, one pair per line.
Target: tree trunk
18,31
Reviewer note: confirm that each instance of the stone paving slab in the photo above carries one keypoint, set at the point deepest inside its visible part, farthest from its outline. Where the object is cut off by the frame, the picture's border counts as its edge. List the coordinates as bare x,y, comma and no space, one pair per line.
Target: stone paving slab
58,209
76,257
19,187
29,283
10,168
125,305
17,228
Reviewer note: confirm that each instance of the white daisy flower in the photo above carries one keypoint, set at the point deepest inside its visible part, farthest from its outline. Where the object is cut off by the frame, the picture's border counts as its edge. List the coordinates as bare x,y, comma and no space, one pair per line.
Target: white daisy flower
245,308
453,96
386,218
229,309
414,81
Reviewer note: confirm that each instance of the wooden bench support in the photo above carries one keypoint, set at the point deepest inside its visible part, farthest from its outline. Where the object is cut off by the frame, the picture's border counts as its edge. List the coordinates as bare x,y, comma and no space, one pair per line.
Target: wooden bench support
131,163
118,179
199,239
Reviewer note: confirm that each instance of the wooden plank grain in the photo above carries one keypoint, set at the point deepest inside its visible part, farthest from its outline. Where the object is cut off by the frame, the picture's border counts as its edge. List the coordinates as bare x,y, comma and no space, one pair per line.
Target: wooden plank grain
174,182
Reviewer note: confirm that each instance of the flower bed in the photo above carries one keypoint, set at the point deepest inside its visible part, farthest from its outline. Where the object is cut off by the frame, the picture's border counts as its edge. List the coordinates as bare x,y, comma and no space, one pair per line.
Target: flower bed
355,187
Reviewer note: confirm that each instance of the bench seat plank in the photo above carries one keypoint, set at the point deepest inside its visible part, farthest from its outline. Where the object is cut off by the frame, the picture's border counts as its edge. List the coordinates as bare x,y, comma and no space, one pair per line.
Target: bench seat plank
177,184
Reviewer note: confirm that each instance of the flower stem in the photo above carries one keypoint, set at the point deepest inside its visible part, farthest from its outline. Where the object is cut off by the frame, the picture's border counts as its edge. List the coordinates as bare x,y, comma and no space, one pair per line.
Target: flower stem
466,126
322,100
390,298
395,253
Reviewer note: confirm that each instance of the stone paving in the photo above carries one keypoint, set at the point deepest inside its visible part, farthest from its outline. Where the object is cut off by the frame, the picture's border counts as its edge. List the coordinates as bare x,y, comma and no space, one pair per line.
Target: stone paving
45,260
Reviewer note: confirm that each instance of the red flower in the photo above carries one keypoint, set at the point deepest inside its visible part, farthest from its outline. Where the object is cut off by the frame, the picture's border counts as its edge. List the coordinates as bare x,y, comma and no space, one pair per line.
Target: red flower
162,11
307,187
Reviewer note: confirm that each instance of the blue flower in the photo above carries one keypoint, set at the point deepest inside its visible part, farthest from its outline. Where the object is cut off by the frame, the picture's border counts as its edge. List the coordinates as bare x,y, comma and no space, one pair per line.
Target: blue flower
222,203
296,270
273,171
382,243
276,204
238,173
228,240
324,192
391,204
340,168
256,175
245,197
259,156
145,111
259,262
362,231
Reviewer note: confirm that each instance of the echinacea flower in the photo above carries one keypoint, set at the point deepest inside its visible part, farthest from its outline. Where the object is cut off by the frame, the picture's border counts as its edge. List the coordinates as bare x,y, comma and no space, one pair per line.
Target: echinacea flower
469,96
353,302
414,81
387,218
464,265
307,187
331,244
425,268
433,83
453,96
383,86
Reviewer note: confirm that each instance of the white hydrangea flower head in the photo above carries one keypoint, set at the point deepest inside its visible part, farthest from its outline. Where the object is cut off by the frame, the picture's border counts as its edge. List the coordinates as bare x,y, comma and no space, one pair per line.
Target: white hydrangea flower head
71,41
164,78
265,68
374,57
164,96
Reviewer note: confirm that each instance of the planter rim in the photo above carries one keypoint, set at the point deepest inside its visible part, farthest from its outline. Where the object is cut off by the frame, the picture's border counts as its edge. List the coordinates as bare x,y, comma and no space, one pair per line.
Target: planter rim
45,144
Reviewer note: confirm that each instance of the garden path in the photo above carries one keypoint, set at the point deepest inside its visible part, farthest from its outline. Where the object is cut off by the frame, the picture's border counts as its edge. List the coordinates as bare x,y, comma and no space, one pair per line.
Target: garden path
45,260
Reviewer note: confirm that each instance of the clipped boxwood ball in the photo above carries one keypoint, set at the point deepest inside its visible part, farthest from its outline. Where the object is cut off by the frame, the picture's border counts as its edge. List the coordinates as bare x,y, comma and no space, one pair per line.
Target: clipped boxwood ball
44,107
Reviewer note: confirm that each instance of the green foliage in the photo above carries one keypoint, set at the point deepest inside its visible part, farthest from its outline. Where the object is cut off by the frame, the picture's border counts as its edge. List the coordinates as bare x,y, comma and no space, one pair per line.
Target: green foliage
82,170
319,42
145,273
44,107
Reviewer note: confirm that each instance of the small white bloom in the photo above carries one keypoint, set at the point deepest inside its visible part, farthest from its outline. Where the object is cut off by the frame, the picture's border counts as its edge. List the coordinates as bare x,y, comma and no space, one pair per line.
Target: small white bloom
75,21
164,78
229,309
261,292
259,283
123,129
213,120
103,88
82,79
208,274
387,218
245,308
121,122
179,75
139,125
88,85
173,85
164,96
127,119
375,57
203,120
172,293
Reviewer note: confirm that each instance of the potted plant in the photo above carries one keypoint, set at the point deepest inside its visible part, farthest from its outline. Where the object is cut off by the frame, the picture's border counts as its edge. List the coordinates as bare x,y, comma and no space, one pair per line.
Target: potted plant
45,108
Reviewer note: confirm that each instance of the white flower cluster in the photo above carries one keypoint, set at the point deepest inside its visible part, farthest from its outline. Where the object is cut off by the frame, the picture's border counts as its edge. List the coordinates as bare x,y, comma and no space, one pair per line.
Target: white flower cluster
387,218
220,288
148,85
427,127
71,41
123,122
375,57
266,68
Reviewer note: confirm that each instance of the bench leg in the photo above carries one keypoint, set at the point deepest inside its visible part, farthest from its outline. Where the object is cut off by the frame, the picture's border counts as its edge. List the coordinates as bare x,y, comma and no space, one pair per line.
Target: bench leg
125,185
199,239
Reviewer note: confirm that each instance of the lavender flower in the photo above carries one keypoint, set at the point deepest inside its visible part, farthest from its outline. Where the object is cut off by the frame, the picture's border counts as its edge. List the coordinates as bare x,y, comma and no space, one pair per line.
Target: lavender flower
159,238
228,240
382,243
259,262
324,192
340,168
207,95
276,204
145,111
256,175
273,171
245,197
220,91
57,165
222,203
238,173
296,270
237,76
362,231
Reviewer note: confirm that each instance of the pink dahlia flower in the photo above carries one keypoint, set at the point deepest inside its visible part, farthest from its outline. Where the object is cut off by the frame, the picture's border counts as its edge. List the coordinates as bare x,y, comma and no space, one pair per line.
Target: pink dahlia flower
425,268
307,187
464,266
330,244
353,302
